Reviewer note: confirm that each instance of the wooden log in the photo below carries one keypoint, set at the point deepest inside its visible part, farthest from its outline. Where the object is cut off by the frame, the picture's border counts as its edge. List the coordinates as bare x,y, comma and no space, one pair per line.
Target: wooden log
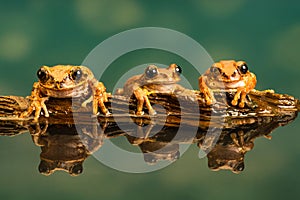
172,110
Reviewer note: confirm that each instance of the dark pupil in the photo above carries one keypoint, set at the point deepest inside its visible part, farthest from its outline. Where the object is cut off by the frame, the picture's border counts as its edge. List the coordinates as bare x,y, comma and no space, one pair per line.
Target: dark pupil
240,167
178,70
42,75
244,68
151,72
43,168
77,74
77,169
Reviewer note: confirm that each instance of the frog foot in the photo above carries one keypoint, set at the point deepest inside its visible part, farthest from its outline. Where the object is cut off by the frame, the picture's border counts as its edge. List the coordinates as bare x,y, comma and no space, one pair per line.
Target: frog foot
142,99
106,113
139,113
239,96
119,91
209,99
99,113
235,103
37,106
152,112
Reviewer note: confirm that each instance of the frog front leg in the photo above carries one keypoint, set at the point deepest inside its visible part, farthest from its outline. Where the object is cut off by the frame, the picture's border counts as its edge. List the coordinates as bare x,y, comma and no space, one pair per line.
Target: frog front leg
142,98
98,98
37,104
240,142
242,92
208,95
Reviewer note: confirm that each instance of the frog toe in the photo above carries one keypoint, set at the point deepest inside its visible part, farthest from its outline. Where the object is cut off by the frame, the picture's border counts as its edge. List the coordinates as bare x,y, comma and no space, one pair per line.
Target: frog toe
152,112
210,101
234,102
139,113
242,104
107,113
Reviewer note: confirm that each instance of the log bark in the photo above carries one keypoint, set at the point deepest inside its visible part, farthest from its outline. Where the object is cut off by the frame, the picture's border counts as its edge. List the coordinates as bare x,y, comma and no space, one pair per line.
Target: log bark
172,110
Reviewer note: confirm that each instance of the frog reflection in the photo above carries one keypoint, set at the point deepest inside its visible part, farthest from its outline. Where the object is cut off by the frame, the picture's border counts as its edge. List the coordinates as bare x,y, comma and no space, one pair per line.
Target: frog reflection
65,147
154,152
228,153
156,145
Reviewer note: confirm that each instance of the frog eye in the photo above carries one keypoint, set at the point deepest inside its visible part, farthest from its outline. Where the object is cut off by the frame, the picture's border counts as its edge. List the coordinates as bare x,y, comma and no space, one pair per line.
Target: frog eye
177,155
240,167
76,74
243,68
151,71
214,70
44,168
42,74
76,169
178,70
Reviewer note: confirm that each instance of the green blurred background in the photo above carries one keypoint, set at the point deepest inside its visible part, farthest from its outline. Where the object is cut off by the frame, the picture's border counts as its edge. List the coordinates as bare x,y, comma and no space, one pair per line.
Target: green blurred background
266,34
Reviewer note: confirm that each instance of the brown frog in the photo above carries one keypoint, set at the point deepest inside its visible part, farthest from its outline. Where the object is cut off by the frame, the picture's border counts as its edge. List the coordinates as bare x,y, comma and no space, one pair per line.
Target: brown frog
154,80
228,75
66,81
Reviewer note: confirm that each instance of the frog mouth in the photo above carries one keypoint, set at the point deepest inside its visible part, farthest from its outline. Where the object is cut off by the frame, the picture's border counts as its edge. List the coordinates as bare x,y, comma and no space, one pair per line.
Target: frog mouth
234,84
227,84
65,92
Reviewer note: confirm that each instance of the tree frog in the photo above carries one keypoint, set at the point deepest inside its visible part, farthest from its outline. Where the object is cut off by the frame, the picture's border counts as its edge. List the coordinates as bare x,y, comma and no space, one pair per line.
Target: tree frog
227,74
66,81
154,80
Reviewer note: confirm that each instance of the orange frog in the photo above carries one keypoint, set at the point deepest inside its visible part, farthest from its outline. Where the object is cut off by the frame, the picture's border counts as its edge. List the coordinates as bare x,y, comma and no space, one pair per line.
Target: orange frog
66,81
227,75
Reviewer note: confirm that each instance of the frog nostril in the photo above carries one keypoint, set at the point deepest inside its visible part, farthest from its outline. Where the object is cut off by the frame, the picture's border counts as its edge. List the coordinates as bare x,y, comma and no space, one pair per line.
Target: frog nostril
234,74
58,85
225,75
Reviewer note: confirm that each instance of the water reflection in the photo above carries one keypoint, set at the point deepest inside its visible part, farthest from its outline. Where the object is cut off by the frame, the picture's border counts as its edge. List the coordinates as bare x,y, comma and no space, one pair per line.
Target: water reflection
65,146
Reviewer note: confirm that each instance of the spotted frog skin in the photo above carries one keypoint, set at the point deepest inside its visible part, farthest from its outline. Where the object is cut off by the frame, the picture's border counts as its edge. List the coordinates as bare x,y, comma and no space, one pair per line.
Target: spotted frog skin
154,80
66,81
227,75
